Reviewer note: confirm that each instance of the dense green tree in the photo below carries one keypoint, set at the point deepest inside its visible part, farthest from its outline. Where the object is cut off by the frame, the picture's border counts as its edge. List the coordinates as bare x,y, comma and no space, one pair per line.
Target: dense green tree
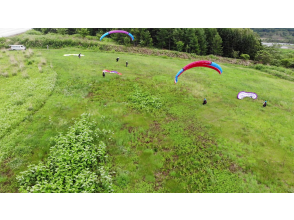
209,35
180,46
83,31
162,37
127,41
264,56
200,34
62,31
136,33
145,38
216,45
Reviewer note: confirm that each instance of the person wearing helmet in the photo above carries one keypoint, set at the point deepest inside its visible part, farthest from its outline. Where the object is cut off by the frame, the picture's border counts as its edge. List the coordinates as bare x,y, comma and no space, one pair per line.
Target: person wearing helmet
117,59
103,74
264,104
127,63
204,102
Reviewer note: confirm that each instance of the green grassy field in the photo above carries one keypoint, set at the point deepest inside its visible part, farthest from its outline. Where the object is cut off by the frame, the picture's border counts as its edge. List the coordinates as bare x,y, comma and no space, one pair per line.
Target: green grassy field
164,139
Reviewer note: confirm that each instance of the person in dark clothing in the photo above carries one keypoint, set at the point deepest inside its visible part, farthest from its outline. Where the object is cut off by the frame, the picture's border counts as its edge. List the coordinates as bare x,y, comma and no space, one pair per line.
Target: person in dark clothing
204,101
127,63
79,55
103,74
264,104
117,59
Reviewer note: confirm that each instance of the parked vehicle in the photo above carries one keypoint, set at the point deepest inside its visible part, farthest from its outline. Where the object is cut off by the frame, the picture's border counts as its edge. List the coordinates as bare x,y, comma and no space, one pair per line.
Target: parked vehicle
17,47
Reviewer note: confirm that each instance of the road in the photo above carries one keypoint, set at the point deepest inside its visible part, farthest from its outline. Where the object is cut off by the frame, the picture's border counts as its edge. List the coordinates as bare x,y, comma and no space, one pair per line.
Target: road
6,32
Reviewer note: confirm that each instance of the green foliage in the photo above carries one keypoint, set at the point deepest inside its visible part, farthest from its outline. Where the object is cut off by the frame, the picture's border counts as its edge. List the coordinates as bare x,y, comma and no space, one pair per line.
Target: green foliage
62,31
245,56
144,101
235,54
180,46
127,41
264,56
83,31
34,32
75,163
269,55
2,42
217,48
288,62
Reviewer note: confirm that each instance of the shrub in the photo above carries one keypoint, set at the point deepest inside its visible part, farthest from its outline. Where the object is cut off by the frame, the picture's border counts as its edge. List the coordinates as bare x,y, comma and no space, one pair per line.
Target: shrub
75,164
259,66
289,62
33,32
30,62
244,56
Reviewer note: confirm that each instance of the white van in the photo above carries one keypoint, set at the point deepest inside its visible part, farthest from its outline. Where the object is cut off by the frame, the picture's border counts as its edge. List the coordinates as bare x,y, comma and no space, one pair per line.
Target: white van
17,47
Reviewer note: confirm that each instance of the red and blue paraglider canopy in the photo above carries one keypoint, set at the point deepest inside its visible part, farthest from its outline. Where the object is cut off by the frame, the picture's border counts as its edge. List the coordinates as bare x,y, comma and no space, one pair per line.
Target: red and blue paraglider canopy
201,63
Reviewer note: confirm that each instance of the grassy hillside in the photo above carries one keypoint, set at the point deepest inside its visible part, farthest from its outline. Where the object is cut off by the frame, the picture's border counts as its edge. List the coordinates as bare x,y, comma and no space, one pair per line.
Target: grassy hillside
164,139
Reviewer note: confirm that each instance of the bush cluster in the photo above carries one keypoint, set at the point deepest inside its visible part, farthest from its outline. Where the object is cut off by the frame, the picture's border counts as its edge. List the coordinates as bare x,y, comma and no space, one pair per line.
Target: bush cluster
76,163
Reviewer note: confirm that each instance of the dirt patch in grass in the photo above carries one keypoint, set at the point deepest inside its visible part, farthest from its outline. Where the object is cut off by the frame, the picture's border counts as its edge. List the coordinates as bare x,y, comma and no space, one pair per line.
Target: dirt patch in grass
90,95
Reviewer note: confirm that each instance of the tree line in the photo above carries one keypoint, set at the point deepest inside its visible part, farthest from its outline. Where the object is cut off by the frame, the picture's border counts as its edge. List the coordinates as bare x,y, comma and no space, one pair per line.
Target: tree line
227,42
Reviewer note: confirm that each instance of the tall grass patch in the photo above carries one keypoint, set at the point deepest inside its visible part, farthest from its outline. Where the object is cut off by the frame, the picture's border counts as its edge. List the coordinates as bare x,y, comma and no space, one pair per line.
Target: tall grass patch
29,87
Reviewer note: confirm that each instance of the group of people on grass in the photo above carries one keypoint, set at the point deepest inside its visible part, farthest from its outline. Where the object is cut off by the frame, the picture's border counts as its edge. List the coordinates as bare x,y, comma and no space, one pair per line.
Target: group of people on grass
117,59
204,101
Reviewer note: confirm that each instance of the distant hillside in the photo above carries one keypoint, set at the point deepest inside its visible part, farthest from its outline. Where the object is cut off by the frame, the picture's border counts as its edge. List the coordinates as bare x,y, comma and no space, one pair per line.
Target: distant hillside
279,35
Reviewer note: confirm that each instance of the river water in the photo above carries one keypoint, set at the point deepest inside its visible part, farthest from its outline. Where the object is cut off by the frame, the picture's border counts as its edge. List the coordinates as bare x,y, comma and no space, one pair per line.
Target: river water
284,45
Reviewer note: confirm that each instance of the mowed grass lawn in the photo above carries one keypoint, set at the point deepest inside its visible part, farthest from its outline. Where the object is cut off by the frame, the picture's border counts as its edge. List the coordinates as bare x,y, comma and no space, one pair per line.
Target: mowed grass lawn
164,139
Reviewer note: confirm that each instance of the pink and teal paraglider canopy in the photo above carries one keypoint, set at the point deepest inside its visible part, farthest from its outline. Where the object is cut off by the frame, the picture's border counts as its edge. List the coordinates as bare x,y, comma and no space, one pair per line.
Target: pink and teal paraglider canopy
108,71
117,31
201,63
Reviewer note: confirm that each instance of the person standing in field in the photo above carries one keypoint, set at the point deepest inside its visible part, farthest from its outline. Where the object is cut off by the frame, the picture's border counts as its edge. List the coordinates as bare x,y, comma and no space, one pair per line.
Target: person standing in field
264,104
117,59
79,55
103,74
127,63
204,102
